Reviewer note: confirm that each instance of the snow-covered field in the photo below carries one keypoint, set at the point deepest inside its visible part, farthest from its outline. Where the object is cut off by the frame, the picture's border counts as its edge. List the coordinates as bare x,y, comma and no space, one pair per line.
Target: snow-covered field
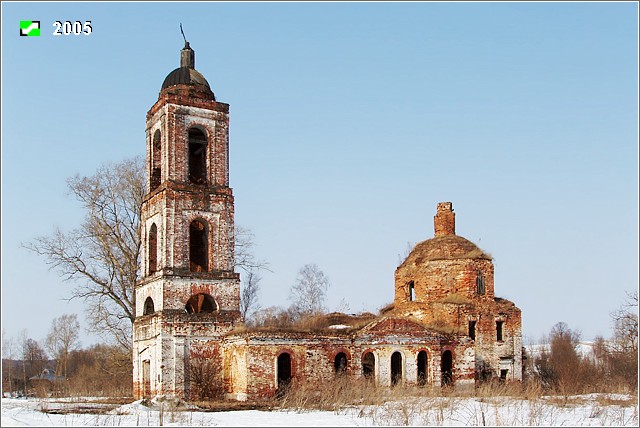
583,410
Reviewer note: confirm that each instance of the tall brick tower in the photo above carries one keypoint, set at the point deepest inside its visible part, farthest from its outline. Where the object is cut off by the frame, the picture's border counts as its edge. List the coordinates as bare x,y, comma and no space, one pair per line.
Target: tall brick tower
188,291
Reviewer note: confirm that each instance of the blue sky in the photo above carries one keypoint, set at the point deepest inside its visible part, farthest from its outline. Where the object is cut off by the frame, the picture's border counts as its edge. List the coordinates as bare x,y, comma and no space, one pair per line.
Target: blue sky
349,122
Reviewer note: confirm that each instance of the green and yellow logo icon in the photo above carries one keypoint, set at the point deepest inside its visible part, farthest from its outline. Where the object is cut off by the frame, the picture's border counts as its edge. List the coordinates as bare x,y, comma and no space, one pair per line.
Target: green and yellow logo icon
29,28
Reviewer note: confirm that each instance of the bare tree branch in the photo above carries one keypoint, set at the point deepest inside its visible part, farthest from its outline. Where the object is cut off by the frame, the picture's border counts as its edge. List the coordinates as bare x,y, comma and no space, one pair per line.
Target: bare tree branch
309,291
249,295
102,255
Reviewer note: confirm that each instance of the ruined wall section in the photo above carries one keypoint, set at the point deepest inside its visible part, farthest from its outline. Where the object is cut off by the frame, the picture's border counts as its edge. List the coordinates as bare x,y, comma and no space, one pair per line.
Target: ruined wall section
235,368
492,355
438,280
251,359
146,346
175,344
495,355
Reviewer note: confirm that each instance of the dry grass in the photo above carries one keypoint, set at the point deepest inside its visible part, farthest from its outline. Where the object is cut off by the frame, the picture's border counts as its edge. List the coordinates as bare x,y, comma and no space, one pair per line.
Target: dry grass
492,403
344,391
608,400
387,308
477,253
455,299
313,323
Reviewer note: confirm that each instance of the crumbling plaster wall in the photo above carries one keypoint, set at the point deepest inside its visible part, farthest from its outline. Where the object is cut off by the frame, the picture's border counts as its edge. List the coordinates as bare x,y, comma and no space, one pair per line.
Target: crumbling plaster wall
251,361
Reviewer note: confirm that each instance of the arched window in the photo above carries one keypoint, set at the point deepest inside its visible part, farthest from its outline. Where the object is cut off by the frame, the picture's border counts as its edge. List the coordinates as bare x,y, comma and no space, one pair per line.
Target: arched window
368,365
422,368
283,374
198,246
153,249
201,303
148,306
156,160
197,156
340,363
447,368
396,368
480,289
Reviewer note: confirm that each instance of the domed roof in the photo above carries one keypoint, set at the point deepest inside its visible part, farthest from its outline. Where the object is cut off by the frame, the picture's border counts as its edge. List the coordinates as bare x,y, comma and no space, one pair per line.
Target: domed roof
185,76
444,247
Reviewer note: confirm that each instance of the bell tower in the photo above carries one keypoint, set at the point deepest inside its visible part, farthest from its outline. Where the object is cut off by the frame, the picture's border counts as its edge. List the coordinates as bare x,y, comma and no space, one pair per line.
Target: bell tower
188,289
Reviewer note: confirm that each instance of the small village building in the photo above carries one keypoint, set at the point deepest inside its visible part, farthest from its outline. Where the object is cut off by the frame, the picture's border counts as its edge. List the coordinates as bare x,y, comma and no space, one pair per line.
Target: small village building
445,327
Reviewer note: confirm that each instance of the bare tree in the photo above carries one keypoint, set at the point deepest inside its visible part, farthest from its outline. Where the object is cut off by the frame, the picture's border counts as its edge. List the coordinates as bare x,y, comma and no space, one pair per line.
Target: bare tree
62,339
35,357
245,260
23,339
625,325
564,356
623,359
102,255
8,353
250,293
309,291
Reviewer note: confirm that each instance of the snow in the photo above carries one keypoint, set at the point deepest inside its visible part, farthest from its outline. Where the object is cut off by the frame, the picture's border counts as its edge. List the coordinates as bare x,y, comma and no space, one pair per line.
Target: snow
584,410
339,326
583,348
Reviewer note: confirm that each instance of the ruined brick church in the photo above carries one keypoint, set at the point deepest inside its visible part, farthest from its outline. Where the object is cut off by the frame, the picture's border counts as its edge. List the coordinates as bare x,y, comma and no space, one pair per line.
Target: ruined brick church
445,326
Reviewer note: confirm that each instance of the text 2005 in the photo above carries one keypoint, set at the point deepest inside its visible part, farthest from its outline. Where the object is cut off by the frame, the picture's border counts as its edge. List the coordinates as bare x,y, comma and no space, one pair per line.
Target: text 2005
76,28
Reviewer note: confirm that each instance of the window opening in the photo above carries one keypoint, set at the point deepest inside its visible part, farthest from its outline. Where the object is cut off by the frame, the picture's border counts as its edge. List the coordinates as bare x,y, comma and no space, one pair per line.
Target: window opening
197,156
148,306
396,368
480,288
201,303
198,245
156,160
472,330
283,374
503,374
422,368
153,249
499,325
340,363
447,368
368,365
412,291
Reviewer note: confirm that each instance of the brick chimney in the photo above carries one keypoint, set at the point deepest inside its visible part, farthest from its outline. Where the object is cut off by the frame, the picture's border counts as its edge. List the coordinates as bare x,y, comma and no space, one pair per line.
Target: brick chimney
444,222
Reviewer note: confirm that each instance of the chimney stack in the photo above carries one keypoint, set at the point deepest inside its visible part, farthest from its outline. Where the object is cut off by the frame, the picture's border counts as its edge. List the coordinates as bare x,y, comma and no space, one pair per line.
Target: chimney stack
444,222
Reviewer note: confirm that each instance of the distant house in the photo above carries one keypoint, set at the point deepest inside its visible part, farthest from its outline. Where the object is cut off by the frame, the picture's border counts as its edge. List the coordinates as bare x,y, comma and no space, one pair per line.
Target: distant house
46,382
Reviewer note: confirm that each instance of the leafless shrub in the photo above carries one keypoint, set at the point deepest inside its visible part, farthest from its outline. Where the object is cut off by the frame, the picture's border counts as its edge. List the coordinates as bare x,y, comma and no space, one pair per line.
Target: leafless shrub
204,375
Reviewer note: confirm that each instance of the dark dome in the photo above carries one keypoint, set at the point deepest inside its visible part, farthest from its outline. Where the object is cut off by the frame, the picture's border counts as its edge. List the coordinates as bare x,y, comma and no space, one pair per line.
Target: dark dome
185,76
445,247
